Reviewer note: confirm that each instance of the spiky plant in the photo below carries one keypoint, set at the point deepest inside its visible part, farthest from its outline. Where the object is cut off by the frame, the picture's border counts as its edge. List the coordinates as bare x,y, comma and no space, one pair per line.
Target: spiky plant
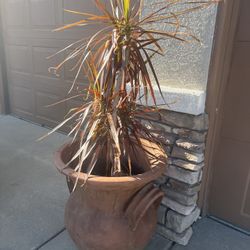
118,63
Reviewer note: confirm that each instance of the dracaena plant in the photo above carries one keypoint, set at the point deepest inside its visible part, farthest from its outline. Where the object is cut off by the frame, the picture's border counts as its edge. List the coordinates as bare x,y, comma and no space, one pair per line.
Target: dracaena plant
117,61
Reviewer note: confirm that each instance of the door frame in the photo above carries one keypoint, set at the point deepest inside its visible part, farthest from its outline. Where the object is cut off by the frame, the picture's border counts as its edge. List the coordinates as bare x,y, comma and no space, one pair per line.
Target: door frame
226,27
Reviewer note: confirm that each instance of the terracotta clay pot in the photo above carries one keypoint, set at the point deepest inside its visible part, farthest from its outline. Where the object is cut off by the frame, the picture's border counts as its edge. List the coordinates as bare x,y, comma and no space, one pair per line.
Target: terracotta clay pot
113,213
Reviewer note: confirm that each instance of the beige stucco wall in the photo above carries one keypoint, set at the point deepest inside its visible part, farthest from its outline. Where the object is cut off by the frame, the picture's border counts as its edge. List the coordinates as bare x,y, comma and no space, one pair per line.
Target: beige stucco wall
186,65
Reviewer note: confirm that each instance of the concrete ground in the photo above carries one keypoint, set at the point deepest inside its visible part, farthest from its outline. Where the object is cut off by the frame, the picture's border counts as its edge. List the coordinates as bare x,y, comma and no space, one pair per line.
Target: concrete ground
33,194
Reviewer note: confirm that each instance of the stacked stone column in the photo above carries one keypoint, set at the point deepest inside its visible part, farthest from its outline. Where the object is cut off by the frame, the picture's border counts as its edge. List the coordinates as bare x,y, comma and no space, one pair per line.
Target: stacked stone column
184,136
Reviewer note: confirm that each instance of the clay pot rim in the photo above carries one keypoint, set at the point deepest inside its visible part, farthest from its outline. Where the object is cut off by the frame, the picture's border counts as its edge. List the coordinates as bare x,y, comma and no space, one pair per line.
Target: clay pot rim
157,169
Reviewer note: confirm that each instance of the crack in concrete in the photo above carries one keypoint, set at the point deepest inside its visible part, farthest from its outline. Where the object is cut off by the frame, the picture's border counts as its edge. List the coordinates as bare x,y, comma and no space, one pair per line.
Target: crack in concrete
50,239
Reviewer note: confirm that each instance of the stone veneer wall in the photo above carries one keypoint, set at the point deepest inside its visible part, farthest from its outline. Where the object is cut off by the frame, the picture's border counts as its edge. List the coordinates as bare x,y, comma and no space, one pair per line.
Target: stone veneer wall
185,136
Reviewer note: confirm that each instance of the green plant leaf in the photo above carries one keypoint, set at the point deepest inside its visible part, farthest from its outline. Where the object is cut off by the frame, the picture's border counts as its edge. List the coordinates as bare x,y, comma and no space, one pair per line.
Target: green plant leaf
126,5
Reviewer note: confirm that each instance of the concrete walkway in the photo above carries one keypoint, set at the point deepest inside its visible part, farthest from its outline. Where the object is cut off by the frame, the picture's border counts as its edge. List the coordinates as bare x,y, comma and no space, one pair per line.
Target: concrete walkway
33,194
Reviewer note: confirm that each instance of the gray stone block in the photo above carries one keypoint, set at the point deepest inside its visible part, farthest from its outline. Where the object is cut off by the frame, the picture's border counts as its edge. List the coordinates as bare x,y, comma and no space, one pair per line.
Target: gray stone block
183,175
187,165
161,181
174,205
190,135
183,188
161,126
192,146
187,200
180,223
200,177
168,149
181,239
164,127
166,138
187,155
162,212
148,124
156,125
175,119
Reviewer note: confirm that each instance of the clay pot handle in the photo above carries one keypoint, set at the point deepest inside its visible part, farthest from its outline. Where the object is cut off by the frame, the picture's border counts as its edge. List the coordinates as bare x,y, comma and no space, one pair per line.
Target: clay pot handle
140,204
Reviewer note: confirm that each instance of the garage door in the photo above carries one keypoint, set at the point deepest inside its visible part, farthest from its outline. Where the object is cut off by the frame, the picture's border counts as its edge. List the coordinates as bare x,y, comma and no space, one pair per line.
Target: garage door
28,42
